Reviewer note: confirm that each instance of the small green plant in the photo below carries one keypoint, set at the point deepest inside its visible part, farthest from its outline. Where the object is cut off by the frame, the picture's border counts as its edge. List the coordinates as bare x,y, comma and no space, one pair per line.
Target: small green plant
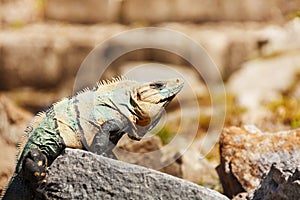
40,4
17,24
233,112
295,14
165,135
214,154
214,184
286,111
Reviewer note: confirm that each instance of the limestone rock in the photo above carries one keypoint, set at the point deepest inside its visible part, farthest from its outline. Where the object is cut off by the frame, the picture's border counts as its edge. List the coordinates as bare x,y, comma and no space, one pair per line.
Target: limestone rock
247,154
63,48
21,59
266,87
259,83
277,39
17,13
206,10
91,11
229,44
82,175
278,47
142,11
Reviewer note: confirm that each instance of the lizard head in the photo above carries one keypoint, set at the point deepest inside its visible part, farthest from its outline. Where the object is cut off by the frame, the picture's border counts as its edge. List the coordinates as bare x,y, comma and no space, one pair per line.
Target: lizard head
149,100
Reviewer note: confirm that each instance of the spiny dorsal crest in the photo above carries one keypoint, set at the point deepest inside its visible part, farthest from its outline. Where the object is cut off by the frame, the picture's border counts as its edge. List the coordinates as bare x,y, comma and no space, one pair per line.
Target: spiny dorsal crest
112,81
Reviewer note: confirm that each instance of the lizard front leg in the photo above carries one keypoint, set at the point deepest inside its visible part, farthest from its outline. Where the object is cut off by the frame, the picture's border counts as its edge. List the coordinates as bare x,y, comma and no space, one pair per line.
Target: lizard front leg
34,169
107,137
37,157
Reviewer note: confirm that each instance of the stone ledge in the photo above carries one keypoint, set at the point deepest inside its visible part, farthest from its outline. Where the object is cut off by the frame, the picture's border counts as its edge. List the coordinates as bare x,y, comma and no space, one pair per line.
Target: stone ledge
79,174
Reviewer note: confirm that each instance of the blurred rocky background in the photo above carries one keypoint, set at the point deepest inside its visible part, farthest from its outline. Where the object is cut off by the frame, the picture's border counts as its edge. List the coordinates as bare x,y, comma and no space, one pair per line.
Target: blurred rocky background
255,45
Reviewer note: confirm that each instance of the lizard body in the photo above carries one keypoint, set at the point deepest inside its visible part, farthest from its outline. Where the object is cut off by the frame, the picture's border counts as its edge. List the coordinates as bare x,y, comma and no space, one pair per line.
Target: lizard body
93,120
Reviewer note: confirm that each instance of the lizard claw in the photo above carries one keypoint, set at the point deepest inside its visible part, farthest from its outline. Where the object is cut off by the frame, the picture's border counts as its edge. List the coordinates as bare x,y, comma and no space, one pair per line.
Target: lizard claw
40,193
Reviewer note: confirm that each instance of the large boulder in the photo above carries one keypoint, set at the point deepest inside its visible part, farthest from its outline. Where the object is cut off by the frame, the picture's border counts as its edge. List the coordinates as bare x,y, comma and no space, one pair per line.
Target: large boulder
247,154
79,174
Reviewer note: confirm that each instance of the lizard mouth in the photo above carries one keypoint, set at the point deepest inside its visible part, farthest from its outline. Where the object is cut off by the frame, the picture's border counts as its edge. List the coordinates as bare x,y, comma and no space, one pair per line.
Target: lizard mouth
167,100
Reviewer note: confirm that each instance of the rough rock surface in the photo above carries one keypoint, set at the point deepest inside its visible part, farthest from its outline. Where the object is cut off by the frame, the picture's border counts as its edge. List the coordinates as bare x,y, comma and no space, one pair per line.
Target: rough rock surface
247,155
79,174
281,183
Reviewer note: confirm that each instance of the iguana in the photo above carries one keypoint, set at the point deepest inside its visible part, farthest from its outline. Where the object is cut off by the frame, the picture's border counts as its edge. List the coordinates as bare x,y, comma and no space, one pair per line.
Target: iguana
94,120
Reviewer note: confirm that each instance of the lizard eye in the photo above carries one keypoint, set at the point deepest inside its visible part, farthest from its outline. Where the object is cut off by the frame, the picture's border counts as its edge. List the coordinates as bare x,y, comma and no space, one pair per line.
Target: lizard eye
157,85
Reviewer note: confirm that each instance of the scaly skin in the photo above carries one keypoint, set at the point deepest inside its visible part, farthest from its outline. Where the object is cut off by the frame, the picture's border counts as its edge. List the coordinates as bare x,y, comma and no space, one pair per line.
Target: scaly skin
92,120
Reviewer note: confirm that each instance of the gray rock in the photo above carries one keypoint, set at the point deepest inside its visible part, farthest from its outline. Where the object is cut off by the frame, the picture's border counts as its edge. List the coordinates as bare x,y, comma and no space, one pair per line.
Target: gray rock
79,174
280,183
